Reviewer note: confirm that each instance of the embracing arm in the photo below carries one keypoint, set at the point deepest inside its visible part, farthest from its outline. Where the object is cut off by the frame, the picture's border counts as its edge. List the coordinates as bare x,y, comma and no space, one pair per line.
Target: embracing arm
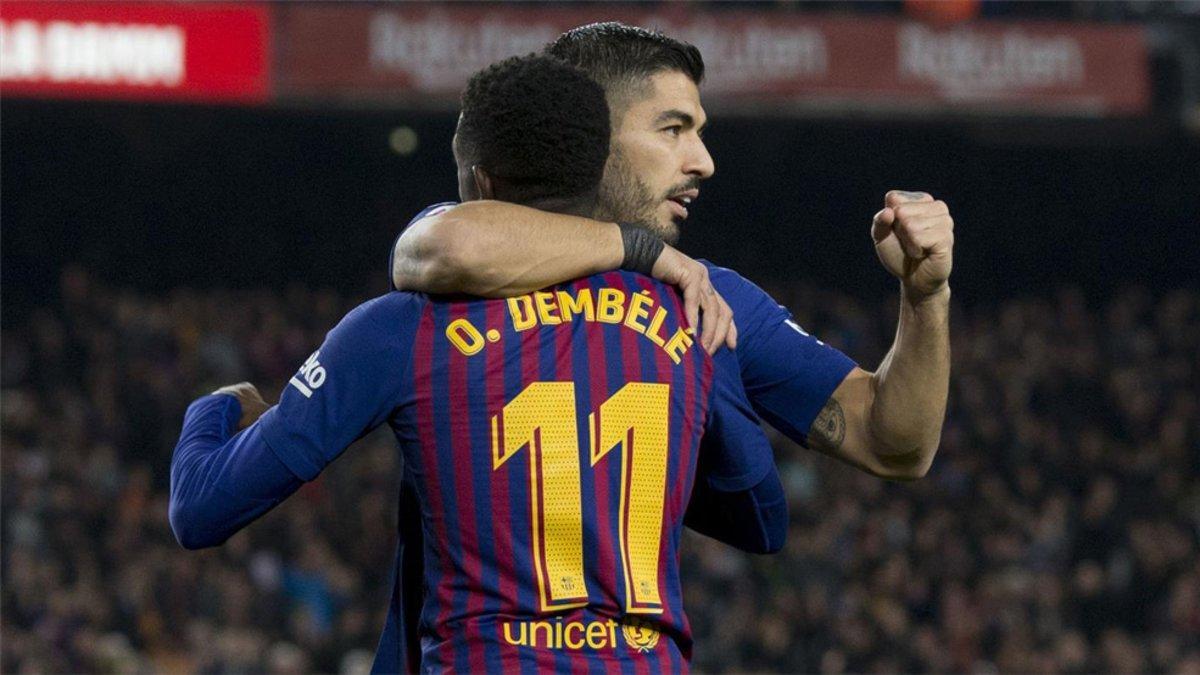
737,497
496,249
754,520
889,422
237,458
222,481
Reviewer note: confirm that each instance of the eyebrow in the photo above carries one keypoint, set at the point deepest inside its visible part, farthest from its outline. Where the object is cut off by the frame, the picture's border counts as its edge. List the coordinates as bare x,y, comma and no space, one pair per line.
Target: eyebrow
680,116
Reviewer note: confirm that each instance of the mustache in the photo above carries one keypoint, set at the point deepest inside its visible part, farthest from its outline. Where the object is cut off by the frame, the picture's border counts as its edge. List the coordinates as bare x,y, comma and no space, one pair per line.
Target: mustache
692,183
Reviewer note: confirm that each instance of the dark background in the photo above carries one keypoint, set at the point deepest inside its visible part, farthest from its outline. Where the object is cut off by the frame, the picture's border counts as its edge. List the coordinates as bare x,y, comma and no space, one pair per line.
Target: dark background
160,196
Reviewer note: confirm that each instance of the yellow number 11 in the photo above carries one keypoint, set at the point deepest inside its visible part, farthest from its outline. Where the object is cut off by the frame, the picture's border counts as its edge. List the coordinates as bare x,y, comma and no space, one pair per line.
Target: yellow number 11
635,419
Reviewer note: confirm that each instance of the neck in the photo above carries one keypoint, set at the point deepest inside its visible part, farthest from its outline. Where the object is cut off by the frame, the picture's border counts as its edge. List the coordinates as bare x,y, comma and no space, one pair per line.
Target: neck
570,207
576,206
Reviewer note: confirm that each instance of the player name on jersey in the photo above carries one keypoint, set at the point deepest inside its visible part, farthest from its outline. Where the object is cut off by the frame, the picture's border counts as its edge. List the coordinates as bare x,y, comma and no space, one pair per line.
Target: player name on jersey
635,311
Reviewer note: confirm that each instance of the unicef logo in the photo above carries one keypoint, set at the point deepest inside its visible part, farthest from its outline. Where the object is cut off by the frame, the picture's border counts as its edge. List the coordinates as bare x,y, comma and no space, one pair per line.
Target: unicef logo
639,635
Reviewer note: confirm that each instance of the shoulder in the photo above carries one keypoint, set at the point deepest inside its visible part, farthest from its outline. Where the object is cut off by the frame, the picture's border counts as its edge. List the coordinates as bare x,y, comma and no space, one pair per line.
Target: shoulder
745,298
723,274
433,210
388,316
733,285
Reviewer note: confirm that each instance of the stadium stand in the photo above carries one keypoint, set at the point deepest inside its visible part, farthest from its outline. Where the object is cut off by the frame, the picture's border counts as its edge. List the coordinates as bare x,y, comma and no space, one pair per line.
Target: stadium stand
1056,532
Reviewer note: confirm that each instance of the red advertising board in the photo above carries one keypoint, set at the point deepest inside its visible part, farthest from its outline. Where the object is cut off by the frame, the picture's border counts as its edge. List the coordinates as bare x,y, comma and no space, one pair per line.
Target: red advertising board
423,52
129,50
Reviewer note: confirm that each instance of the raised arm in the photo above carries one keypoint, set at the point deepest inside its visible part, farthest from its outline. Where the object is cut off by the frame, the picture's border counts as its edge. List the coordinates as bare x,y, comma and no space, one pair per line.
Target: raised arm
889,422
496,249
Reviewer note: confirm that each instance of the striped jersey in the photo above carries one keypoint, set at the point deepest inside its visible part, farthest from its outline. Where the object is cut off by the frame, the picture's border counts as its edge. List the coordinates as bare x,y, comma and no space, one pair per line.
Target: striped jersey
550,443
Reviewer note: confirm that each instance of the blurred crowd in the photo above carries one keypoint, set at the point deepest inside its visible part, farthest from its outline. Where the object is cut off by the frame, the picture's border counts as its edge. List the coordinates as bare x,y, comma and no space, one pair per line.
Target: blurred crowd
1057,532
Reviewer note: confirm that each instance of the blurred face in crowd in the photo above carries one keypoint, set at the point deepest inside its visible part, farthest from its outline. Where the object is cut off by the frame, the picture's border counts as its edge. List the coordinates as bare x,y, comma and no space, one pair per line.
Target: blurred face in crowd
658,157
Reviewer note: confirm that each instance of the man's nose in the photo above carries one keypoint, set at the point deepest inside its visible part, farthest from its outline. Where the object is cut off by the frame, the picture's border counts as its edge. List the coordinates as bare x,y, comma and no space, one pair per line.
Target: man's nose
698,162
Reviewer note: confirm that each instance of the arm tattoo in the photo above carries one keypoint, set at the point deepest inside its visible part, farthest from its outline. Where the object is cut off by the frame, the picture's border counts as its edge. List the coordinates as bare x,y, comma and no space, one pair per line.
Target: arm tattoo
829,429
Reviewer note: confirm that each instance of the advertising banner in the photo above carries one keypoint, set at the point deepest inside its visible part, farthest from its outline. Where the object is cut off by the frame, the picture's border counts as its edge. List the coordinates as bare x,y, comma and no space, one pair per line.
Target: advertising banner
423,54
204,52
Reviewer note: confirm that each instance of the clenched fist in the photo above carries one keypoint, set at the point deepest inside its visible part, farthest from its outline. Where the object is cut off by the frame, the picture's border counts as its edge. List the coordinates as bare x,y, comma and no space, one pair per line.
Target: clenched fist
914,238
253,405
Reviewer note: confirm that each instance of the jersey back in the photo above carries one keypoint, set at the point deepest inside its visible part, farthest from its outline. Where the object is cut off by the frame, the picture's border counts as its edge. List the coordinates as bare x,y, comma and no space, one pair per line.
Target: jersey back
552,441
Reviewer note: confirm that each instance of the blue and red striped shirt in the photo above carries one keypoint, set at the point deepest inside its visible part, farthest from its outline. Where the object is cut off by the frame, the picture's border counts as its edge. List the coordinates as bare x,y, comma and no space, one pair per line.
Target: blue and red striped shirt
550,442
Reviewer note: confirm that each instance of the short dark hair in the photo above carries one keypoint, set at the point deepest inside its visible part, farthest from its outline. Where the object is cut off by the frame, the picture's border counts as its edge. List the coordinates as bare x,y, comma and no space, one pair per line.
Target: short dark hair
537,124
620,56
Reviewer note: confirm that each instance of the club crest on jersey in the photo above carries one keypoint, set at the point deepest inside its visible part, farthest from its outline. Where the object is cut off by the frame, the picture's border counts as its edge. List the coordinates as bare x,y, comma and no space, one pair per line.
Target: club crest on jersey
639,635
311,376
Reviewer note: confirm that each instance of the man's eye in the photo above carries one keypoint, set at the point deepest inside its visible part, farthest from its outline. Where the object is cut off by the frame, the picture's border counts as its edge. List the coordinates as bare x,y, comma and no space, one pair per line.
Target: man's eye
674,130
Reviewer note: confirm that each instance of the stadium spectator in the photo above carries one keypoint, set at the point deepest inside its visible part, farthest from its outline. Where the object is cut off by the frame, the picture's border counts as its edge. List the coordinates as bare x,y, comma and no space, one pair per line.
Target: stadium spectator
1058,530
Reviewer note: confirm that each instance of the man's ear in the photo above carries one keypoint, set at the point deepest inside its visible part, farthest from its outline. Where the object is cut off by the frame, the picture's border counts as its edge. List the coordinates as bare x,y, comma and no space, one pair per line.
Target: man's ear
483,182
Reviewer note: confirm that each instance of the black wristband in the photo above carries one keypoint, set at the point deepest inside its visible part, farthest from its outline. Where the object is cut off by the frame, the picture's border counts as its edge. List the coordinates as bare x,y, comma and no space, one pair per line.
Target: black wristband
642,248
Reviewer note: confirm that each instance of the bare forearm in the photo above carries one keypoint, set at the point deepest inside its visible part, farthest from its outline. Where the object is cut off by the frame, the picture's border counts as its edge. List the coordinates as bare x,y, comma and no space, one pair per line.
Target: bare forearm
497,249
911,384
889,423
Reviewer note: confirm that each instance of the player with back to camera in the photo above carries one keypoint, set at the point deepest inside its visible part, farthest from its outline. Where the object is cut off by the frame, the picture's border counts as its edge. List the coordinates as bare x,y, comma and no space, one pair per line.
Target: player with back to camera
550,441
887,423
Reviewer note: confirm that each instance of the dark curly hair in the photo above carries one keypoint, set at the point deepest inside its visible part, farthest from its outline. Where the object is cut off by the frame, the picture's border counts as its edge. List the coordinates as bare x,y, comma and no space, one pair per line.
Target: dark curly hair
539,126
620,57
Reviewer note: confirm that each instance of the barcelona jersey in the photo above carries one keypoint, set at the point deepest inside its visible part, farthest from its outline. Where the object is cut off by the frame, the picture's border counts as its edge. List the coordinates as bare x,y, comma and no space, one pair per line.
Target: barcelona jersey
550,442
